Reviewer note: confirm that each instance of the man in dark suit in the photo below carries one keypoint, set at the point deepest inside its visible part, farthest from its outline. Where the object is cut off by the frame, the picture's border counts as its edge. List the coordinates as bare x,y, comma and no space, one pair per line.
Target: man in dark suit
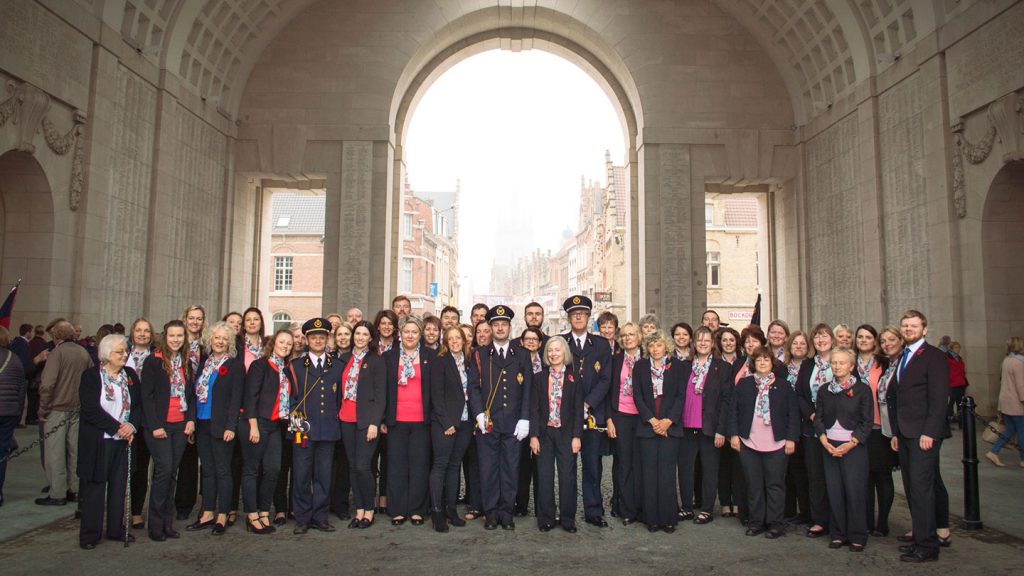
592,361
500,401
315,399
917,412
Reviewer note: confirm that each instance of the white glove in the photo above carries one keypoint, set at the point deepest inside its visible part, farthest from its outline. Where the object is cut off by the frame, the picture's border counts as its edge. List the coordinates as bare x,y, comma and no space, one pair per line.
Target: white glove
522,429
481,423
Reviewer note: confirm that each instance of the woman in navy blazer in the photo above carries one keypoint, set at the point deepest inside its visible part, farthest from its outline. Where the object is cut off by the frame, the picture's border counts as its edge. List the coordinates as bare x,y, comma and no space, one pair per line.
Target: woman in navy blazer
170,417
218,401
705,423
265,399
658,395
363,399
815,372
108,424
845,414
764,425
555,429
451,427
408,426
623,418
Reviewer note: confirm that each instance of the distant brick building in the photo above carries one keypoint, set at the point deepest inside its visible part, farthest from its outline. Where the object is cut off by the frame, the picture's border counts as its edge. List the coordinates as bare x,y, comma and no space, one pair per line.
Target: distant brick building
295,279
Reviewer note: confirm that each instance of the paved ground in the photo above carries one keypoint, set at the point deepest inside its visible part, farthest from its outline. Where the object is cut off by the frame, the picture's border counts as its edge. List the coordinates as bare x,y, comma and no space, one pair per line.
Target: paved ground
36,540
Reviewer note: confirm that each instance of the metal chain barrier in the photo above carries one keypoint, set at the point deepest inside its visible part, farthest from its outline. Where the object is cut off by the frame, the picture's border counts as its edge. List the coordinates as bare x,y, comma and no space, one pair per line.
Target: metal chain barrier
12,455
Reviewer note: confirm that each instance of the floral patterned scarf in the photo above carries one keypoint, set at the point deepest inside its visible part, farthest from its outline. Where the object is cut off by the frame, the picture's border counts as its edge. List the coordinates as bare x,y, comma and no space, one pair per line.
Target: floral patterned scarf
283,386
460,363
836,387
822,376
700,373
658,376
762,406
195,352
407,363
864,368
557,379
203,382
352,377
110,383
177,377
630,362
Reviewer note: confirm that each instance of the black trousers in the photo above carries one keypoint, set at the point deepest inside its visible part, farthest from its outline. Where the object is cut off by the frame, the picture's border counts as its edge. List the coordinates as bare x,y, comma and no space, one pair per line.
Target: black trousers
166,454
556,450
215,455
766,486
593,448
380,467
282,490
111,492
261,464
498,458
847,481
881,489
798,499
408,468
359,453
471,471
311,481
444,471
693,444
237,462
817,491
186,490
922,481
527,476
732,482
140,471
626,465
341,480
658,462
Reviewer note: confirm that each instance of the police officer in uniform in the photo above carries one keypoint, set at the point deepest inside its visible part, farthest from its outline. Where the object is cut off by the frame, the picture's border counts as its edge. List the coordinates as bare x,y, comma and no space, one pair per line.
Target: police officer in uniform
500,401
315,398
592,360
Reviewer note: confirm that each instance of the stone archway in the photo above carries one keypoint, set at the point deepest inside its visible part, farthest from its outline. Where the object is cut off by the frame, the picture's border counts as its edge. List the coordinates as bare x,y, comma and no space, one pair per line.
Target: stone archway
27,233
1002,244
420,75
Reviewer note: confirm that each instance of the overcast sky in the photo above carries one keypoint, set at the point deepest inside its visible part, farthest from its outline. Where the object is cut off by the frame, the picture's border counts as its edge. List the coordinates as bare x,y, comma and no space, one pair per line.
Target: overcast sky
518,129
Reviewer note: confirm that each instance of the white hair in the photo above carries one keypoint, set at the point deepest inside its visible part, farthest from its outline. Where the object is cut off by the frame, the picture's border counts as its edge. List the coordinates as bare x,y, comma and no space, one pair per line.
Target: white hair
108,344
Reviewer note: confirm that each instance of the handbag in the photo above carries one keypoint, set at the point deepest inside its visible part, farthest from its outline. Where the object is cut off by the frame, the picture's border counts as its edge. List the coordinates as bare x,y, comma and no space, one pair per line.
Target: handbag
993,429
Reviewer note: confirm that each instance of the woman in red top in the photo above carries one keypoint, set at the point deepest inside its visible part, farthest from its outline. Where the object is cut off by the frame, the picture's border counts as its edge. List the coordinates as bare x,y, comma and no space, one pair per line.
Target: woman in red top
265,403
957,380
408,424
361,414
170,419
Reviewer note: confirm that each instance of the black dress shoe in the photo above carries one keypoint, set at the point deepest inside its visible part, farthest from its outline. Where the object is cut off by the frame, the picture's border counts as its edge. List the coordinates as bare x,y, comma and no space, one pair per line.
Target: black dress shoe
197,525
945,542
300,529
775,533
919,556
322,526
354,523
836,544
280,521
219,529
157,537
905,538
88,546
907,549
570,528
172,534
232,517
597,521
521,512
754,530
416,521
397,521
72,496
365,523
668,529
47,501
510,525
491,525
545,527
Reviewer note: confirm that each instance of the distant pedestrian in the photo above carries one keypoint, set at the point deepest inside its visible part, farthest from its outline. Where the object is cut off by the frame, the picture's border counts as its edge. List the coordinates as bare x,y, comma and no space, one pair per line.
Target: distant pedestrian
1011,400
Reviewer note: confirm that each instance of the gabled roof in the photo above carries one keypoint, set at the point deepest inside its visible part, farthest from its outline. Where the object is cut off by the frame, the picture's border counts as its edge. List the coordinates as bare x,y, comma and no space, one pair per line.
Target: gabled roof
297,214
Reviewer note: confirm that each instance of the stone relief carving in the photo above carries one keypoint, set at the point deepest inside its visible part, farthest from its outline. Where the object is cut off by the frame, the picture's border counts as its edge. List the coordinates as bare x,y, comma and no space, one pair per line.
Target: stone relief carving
1005,125
29,106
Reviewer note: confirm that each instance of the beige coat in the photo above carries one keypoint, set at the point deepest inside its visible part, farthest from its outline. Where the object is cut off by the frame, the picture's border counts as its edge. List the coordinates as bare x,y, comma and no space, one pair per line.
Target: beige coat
58,387
1011,389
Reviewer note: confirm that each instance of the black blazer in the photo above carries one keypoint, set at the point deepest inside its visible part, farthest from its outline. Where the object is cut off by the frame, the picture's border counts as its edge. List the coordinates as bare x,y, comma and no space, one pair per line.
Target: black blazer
716,398
614,387
447,400
572,403
391,359
259,395
855,410
784,408
592,365
803,390
371,390
156,395
94,422
917,402
672,397
226,398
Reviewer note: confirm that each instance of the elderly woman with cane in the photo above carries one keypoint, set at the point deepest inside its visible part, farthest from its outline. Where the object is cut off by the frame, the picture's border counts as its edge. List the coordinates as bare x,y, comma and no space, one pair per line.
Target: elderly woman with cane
111,413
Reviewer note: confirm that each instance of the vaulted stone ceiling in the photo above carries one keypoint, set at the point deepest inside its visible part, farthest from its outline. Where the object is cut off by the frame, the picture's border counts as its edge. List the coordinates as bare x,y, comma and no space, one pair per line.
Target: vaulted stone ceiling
823,48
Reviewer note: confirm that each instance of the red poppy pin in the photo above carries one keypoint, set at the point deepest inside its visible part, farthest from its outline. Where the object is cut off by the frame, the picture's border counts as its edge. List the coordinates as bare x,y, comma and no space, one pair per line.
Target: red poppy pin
919,351
363,366
569,377
223,370
849,393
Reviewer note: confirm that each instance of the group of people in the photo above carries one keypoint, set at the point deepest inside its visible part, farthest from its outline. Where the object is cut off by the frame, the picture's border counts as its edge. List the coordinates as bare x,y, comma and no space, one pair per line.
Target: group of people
402,414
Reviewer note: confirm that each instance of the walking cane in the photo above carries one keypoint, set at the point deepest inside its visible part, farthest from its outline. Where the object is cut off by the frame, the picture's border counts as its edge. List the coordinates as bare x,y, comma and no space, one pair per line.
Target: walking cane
128,498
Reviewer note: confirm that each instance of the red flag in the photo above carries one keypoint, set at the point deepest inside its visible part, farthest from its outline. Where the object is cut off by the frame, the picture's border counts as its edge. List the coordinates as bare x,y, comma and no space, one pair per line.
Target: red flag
8,307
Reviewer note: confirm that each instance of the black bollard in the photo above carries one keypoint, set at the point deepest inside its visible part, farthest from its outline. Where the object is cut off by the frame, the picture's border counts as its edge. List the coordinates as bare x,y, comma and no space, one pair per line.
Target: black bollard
972,503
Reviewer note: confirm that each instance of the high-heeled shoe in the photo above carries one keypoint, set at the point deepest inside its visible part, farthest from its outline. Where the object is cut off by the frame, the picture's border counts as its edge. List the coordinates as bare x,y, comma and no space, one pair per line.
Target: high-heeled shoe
254,526
945,542
265,522
197,525
280,520
365,523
